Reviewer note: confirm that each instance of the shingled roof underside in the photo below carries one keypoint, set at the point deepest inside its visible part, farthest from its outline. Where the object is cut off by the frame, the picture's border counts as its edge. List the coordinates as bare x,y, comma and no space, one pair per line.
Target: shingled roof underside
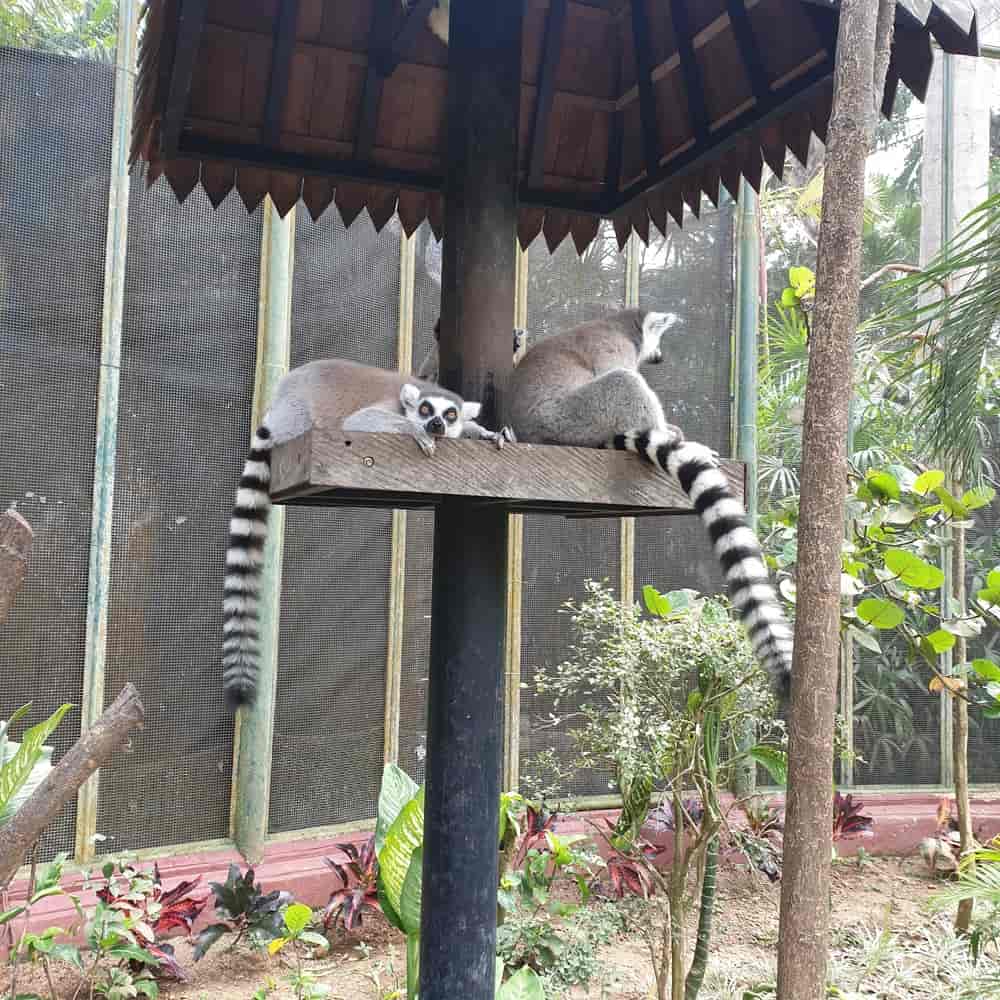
629,110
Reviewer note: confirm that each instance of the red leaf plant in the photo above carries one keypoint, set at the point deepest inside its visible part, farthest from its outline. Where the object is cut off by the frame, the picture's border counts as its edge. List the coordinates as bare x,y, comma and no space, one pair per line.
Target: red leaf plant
848,820
358,891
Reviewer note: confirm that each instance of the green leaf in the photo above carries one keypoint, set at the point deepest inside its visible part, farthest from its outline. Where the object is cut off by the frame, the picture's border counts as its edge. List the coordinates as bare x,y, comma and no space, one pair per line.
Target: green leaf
991,595
774,761
788,297
410,900
928,481
388,910
939,640
523,985
880,613
397,789
148,987
297,917
656,603
316,940
979,496
412,966
950,503
883,484
8,915
405,836
912,570
69,954
207,938
986,669
864,639
993,579
18,769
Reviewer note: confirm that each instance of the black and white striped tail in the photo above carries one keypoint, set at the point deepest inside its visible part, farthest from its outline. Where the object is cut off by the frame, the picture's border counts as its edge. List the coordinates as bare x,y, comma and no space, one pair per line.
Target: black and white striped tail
696,468
247,532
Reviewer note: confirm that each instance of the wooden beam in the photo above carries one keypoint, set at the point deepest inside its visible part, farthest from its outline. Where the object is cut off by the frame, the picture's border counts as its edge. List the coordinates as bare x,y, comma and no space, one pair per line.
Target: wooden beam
371,95
189,25
651,147
555,24
697,110
739,19
613,169
416,17
281,64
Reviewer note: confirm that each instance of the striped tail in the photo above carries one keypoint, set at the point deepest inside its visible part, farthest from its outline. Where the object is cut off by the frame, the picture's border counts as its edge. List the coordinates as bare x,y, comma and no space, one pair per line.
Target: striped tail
247,532
696,469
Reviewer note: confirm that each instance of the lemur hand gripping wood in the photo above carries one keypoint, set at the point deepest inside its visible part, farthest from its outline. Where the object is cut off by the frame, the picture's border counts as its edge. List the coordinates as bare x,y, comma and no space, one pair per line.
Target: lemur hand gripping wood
583,387
332,392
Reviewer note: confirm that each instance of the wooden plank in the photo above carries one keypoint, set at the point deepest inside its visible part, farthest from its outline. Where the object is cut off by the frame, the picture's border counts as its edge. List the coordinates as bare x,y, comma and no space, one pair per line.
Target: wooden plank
554,28
521,476
281,62
651,146
697,111
371,97
415,19
189,26
749,52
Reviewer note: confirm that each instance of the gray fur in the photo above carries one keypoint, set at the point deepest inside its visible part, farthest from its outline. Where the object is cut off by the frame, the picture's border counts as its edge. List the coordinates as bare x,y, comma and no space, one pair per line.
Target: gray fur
583,387
430,366
332,392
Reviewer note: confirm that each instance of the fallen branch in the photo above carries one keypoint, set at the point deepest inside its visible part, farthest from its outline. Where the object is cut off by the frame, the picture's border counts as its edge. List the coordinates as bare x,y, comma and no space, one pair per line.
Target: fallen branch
15,545
87,754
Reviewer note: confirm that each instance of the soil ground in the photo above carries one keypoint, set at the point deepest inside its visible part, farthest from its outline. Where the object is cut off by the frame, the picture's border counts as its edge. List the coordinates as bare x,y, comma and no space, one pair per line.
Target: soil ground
369,965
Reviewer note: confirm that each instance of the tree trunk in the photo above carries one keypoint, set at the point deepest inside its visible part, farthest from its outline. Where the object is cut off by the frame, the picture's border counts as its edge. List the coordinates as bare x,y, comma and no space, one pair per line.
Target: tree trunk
960,730
805,888
61,784
15,545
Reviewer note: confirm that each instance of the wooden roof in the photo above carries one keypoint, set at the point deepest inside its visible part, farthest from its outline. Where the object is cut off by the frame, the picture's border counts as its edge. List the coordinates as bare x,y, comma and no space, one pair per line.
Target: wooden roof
629,108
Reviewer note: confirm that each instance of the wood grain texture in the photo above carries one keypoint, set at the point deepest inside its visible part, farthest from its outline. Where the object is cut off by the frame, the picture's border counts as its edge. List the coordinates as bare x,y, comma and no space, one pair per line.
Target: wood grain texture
332,467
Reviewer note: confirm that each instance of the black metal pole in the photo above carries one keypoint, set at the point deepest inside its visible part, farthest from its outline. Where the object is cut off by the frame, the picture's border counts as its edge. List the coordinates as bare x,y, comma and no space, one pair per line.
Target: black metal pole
458,920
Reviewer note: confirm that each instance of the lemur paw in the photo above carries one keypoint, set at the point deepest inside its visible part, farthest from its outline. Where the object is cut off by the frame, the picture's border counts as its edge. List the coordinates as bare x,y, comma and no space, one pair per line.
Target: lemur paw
426,444
504,435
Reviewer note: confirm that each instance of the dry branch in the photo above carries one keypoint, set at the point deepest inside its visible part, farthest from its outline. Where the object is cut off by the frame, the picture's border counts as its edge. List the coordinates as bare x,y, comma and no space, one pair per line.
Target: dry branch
87,754
15,545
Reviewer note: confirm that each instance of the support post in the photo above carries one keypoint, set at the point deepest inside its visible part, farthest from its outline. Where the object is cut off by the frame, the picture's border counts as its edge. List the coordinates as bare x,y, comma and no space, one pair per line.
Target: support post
464,760
626,536
106,441
747,325
254,733
397,563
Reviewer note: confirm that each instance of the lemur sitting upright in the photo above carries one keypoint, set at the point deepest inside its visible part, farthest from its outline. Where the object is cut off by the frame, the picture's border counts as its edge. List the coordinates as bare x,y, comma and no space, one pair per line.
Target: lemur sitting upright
430,366
583,387
332,392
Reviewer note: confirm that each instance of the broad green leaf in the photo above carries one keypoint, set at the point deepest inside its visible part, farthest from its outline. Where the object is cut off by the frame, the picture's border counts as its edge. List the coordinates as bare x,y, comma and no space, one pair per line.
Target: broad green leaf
656,603
979,496
939,640
883,484
880,613
900,513
18,769
928,481
523,985
986,669
68,953
991,595
912,570
297,917
993,579
774,761
681,600
991,712
802,280
16,716
276,944
950,503
413,967
405,836
864,639
409,903
388,910
788,297
397,789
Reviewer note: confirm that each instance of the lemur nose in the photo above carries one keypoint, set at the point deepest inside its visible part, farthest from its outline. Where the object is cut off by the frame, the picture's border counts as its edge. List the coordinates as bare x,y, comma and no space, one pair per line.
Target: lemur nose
435,425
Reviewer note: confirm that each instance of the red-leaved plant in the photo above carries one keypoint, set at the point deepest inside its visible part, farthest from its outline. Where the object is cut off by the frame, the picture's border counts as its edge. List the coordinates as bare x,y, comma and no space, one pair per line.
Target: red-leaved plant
153,912
848,820
358,890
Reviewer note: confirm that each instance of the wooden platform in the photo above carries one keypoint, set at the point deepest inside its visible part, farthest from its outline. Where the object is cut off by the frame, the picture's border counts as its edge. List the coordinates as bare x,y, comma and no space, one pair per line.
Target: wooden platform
328,468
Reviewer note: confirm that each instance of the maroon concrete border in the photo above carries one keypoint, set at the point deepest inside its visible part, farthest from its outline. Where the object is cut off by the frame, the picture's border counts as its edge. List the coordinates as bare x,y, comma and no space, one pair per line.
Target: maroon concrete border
901,821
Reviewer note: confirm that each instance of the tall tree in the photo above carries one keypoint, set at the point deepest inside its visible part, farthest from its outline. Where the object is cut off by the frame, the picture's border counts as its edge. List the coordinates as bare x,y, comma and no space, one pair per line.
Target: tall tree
864,37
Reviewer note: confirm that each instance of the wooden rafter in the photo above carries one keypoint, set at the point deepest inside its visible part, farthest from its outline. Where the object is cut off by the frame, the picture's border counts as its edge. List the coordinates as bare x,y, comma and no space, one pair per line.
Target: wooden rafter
190,23
281,63
697,110
371,96
644,78
415,19
613,168
739,19
554,25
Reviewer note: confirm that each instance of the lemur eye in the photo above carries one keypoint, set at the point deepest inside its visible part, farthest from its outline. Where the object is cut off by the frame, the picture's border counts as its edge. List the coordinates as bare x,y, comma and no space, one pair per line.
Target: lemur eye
451,415
426,409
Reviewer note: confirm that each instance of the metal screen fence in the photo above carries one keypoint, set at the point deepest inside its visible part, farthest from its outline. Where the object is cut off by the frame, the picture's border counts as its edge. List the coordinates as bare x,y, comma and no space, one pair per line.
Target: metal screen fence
189,342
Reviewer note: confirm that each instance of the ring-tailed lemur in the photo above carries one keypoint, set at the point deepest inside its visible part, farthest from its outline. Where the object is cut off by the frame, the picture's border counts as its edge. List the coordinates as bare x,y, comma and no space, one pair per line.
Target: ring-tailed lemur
358,398
430,367
583,387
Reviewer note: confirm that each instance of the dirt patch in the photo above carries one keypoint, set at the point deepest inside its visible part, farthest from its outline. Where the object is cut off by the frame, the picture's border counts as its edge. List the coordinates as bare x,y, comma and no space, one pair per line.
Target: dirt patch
370,964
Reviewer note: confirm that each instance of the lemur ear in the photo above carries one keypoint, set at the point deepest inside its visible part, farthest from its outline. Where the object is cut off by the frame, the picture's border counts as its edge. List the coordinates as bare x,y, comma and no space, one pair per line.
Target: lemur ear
471,410
409,395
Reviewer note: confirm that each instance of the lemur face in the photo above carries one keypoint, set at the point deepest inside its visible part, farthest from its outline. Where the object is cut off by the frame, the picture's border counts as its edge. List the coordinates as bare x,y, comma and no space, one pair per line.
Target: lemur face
440,416
654,326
